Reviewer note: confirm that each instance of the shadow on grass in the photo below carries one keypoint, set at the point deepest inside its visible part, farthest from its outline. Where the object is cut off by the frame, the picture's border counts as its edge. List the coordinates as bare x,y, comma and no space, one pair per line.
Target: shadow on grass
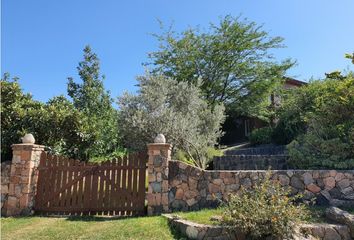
96,218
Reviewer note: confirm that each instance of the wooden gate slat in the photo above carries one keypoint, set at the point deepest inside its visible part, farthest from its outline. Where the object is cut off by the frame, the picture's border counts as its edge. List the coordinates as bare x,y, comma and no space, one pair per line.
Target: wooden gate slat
109,184
80,189
94,193
142,178
64,183
118,196
75,189
47,184
124,184
134,183
87,195
52,177
113,185
39,192
68,199
100,188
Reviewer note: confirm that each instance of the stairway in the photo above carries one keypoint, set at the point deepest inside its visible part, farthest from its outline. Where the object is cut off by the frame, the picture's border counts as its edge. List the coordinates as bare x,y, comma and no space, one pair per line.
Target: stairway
252,158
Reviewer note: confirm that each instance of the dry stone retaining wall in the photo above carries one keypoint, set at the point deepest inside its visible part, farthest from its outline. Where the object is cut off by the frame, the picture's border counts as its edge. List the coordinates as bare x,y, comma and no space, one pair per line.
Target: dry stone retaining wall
192,188
5,181
198,231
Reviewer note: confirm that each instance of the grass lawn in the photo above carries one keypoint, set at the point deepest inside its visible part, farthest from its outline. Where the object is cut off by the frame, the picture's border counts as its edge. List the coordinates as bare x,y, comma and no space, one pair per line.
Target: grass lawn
85,228
140,228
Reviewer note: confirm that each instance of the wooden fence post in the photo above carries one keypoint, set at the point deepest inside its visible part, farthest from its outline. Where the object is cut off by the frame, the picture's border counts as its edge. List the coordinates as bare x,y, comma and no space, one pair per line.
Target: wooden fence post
159,154
23,178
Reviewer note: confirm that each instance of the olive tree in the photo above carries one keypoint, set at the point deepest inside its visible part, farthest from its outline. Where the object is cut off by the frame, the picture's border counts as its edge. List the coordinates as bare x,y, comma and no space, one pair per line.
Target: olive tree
176,109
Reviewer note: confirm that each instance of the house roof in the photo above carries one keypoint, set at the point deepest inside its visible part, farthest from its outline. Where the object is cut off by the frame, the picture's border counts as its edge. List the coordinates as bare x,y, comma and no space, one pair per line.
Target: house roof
295,82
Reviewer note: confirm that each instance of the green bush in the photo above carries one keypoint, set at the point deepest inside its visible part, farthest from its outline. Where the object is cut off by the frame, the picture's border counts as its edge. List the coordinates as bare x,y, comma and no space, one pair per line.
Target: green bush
261,136
287,129
118,153
329,138
264,211
210,154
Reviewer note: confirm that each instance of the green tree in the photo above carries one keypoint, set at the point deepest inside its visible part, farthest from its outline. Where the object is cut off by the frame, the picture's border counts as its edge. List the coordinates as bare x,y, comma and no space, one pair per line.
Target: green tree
232,61
175,109
350,56
95,102
83,129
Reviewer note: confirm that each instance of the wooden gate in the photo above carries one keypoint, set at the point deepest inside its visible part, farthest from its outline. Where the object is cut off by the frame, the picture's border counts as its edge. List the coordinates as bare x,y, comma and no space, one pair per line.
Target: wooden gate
70,187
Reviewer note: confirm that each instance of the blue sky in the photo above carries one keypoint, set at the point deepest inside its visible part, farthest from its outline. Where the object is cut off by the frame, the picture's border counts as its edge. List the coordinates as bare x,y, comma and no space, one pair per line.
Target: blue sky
42,40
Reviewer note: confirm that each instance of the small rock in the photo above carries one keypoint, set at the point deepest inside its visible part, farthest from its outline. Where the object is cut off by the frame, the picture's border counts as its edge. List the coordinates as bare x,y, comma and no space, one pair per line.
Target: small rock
313,188
347,191
246,183
284,180
179,194
331,234
339,177
296,183
192,232
341,216
343,183
308,178
329,183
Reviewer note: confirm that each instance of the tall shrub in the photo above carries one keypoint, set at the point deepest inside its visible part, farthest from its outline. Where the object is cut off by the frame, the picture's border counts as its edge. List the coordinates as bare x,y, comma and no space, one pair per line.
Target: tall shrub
329,139
176,109
56,124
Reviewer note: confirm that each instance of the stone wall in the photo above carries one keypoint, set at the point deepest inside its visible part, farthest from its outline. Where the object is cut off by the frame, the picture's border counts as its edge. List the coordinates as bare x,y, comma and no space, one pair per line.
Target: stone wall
250,162
5,181
192,188
318,231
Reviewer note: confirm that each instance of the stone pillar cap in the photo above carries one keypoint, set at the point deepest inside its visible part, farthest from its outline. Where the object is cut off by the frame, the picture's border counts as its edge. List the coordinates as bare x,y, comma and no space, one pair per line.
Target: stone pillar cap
28,138
160,138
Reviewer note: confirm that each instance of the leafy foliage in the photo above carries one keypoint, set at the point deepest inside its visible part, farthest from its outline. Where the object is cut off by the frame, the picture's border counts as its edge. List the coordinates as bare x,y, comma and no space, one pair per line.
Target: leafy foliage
14,105
261,136
265,211
232,62
56,124
329,139
210,153
291,115
175,109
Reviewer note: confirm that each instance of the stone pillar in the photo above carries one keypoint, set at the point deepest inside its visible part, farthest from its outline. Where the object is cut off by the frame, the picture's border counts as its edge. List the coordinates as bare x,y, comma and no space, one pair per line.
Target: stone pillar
159,155
23,179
